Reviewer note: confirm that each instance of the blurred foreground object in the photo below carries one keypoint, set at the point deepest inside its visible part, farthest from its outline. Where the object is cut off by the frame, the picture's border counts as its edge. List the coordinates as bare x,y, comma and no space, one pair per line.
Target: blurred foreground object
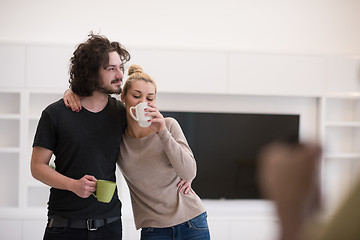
289,176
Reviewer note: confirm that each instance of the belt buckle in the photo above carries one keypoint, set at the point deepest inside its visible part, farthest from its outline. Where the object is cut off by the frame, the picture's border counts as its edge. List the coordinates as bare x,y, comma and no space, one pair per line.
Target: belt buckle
90,223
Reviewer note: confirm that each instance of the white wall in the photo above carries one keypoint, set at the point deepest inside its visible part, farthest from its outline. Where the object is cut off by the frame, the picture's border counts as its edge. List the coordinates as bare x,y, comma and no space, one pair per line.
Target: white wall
236,28
296,26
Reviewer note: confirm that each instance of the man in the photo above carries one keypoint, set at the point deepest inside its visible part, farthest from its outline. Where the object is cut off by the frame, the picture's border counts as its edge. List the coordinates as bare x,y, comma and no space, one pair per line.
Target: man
85,144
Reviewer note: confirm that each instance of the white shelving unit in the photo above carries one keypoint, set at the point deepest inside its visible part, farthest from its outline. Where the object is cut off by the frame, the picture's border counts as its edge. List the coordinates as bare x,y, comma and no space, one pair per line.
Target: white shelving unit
341,139
19,114
9,148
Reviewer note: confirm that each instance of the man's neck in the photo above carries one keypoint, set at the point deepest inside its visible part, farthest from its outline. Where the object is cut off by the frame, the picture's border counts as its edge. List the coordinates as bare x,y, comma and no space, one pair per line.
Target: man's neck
96,102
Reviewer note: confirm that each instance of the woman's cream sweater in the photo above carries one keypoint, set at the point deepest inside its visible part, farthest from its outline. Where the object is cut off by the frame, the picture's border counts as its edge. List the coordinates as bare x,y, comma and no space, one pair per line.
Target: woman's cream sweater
152,167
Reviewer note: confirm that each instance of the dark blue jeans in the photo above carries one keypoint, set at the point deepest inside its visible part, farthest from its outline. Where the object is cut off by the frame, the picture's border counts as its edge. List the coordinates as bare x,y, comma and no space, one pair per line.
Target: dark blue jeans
194,229
111,231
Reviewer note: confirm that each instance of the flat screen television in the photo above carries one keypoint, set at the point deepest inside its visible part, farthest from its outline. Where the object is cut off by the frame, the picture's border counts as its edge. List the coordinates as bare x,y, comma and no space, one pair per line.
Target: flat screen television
226,146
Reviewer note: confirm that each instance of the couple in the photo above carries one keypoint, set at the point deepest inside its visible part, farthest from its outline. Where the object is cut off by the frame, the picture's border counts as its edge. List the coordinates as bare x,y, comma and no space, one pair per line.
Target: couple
156,161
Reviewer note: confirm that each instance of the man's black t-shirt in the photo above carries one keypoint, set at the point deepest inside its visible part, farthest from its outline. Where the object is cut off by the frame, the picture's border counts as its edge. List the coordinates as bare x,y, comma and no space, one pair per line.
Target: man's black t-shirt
84,143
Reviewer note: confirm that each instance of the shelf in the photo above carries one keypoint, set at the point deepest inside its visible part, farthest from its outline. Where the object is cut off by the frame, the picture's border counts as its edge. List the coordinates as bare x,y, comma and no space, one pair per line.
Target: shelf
9,178
343,109
10,104
10,116
9,133
9,149
342,156
341,140
342,124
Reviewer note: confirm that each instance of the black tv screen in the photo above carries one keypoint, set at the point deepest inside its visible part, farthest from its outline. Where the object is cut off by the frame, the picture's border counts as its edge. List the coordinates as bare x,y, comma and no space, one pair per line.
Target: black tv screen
226,145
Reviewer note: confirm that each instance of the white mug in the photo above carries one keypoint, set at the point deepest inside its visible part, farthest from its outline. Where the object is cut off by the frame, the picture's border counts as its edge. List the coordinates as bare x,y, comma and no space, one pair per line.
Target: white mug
140,114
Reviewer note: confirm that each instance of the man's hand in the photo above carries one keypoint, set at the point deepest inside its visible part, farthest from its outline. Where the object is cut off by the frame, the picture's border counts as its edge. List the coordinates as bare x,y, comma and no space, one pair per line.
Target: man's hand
85,186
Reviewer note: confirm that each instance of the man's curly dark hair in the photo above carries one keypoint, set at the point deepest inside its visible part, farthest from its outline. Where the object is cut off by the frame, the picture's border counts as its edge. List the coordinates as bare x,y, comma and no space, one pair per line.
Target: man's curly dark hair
87,60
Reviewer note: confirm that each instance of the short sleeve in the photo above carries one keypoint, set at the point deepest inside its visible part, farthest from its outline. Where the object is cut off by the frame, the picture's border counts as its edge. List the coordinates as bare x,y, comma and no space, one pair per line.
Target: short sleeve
45,135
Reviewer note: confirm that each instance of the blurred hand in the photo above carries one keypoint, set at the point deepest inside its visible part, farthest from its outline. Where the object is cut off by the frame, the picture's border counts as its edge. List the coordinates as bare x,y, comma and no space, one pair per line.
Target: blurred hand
288,175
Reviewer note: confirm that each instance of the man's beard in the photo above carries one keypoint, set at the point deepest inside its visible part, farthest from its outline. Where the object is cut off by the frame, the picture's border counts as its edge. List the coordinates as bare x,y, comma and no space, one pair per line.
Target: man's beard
110,90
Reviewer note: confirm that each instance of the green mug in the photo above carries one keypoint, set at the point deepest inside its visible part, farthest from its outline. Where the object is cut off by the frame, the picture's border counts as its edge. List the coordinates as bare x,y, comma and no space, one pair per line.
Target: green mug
104,190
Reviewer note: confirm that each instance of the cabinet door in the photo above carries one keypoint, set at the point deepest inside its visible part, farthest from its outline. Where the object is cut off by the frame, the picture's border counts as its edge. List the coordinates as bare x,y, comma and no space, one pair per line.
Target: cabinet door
343,74
9,177
48,67
12,66
276,74
184,71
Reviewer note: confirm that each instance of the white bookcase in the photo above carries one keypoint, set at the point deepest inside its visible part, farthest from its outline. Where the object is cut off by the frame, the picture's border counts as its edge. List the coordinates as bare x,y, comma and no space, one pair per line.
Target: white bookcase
19,114
340,129
10,148
341,141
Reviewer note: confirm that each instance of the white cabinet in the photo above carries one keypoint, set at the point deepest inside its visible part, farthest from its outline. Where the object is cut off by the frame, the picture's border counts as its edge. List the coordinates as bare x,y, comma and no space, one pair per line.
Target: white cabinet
47,67
184,71
274,74
12,65
343,74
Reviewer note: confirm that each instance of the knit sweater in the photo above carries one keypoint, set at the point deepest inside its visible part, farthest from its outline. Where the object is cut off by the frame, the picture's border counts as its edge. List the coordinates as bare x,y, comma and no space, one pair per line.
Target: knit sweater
152,167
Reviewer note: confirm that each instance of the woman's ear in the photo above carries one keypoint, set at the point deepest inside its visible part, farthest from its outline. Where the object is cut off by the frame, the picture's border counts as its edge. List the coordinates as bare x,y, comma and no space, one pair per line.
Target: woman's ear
122,97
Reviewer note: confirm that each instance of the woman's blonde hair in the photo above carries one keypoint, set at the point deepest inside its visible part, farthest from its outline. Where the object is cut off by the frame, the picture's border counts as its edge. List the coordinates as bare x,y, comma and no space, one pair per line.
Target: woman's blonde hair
135,72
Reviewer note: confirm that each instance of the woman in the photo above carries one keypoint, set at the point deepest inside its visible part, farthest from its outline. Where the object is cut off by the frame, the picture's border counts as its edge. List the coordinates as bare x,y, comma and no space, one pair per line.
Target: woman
153,160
